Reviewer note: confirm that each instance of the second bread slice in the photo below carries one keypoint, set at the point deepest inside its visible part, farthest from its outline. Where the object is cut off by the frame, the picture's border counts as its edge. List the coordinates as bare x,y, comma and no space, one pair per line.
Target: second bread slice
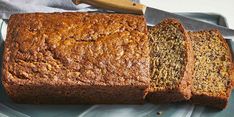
171,63
213,74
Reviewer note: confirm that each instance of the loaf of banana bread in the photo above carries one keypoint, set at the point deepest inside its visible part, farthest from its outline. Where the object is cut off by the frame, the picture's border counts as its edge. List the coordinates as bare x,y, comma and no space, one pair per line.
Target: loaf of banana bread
76,58
213,74
171,62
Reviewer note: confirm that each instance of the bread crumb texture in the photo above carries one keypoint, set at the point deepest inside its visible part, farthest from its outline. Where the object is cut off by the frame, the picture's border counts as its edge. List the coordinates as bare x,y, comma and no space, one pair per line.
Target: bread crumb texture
212,64
168,56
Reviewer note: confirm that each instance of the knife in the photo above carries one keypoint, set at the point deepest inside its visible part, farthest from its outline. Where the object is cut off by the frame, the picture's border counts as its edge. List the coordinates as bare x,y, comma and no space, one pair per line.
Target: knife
154,16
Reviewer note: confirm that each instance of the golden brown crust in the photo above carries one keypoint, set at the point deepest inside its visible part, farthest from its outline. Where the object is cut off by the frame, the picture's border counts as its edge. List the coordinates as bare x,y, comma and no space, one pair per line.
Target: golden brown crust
210,100
186,82
182,91
57,54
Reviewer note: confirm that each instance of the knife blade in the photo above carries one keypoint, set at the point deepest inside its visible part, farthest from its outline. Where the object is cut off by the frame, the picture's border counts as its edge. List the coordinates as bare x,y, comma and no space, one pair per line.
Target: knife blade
189,23
154,16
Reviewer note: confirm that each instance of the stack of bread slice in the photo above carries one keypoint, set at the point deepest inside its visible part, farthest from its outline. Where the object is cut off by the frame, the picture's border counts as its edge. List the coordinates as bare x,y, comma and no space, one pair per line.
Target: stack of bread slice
195,66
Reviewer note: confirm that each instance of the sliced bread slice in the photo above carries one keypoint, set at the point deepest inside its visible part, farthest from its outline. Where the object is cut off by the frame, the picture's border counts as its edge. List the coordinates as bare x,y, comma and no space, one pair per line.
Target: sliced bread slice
171,62
213,69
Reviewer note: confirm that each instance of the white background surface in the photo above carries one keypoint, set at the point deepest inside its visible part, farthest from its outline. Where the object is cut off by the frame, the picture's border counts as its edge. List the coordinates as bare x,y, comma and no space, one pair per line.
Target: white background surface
223,7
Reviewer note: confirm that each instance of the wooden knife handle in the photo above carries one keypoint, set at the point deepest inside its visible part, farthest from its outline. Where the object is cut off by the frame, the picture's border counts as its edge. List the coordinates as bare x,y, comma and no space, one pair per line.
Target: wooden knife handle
125,6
